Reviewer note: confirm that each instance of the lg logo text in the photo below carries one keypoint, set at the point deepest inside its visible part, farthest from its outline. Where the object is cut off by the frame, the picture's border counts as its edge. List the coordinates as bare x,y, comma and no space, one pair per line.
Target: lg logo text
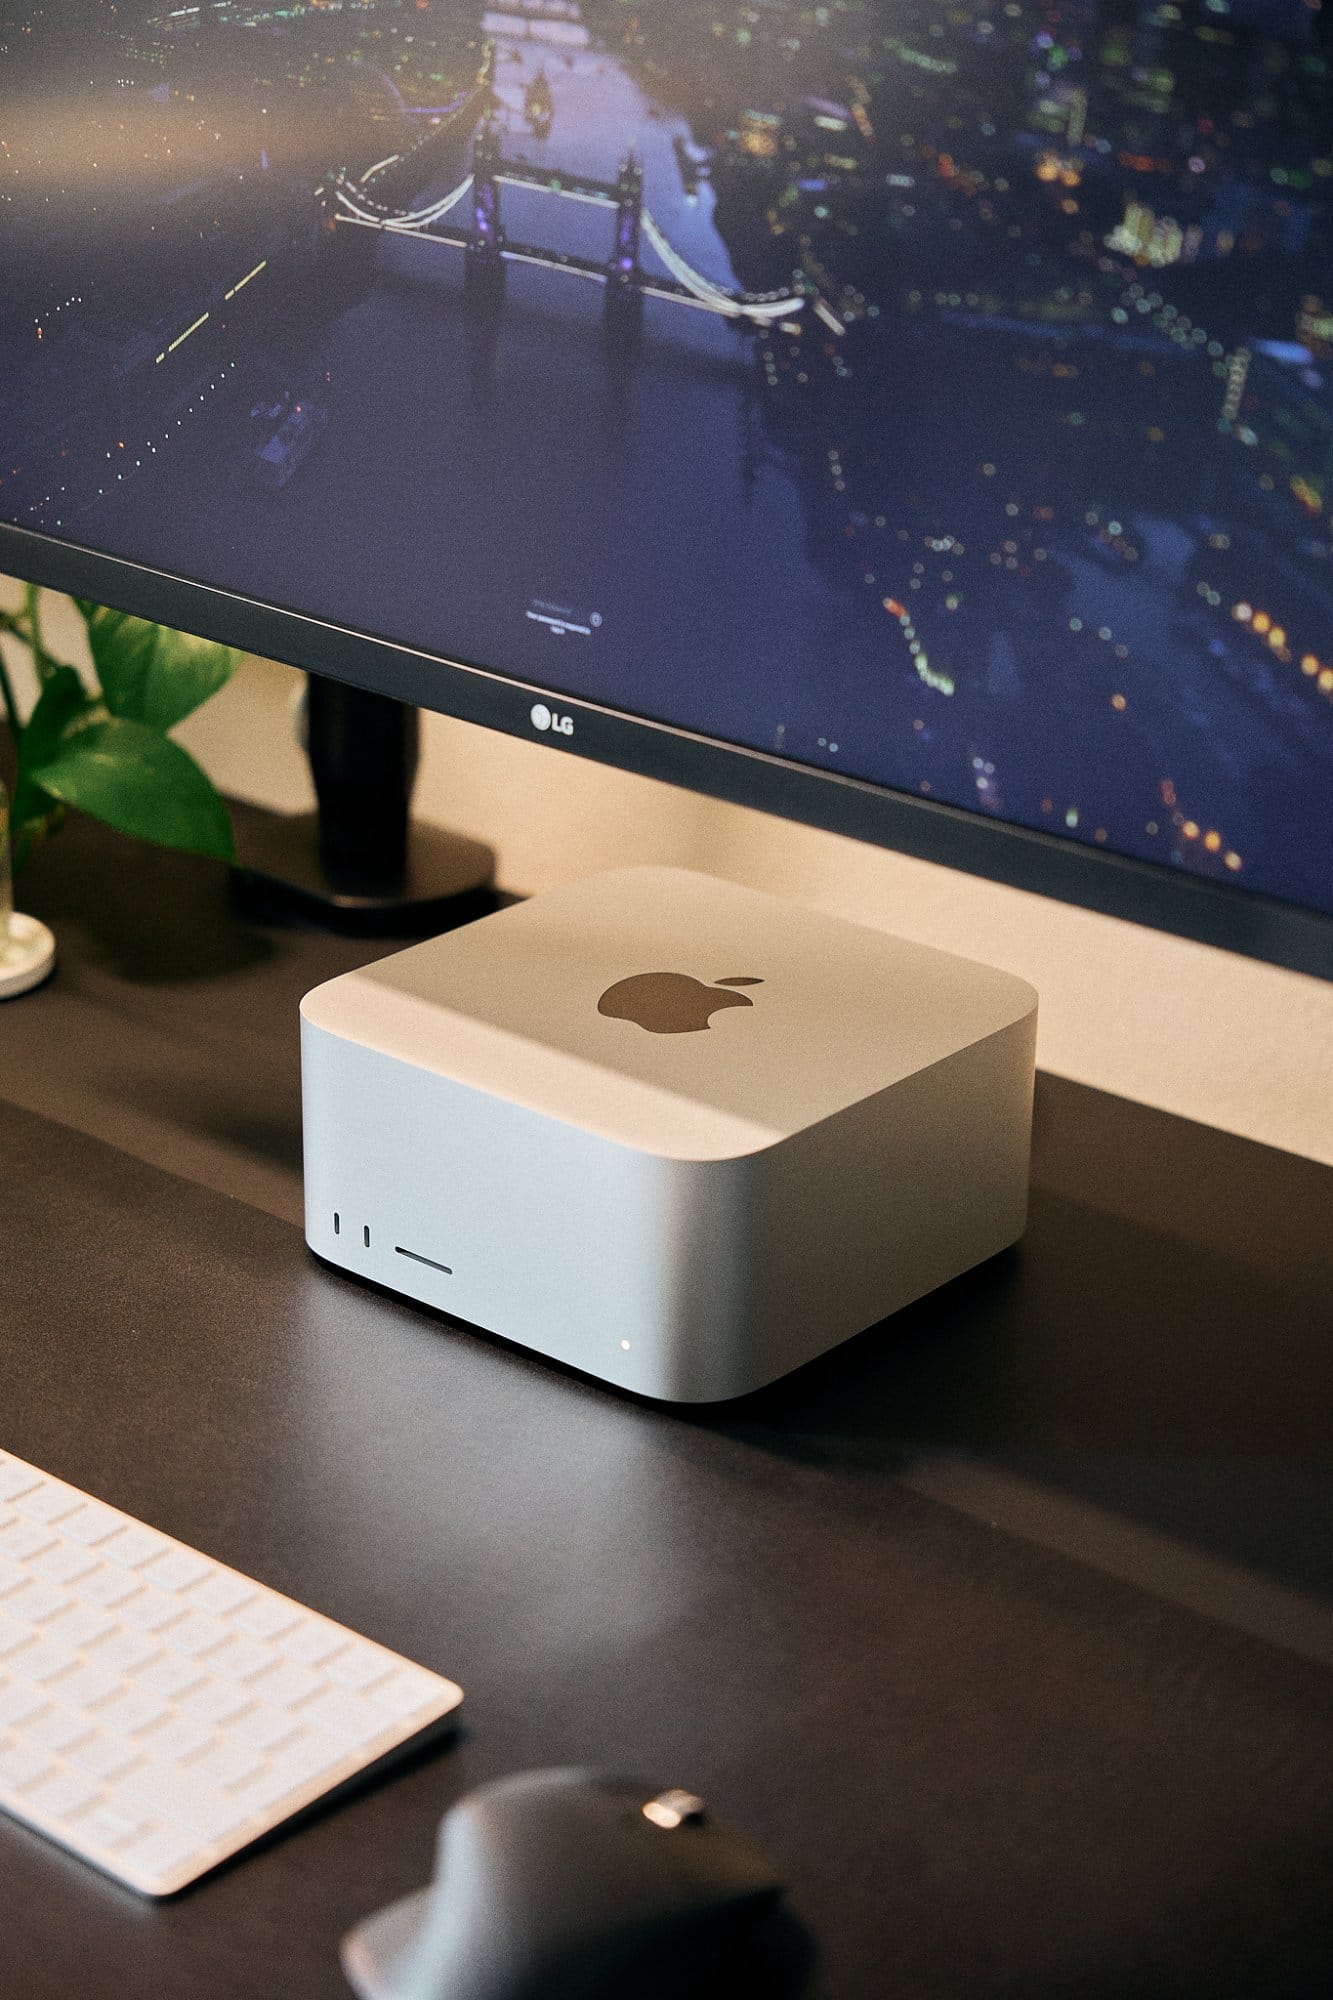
544,718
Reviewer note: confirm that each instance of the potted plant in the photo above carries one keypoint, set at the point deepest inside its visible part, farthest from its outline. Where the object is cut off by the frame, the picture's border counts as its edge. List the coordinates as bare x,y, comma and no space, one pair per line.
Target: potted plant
102,744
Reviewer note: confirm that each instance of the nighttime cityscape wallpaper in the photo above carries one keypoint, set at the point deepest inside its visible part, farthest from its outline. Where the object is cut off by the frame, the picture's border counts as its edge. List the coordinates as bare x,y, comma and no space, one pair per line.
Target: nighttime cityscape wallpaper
935,391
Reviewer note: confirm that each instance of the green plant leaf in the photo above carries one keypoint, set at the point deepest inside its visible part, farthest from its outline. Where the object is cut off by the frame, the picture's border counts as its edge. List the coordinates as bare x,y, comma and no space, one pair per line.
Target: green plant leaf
149,673
140,782
63,701
124,650
190,670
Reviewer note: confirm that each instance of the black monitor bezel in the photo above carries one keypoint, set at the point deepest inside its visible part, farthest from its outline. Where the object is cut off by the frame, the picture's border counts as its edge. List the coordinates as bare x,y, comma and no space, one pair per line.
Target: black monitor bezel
1138,892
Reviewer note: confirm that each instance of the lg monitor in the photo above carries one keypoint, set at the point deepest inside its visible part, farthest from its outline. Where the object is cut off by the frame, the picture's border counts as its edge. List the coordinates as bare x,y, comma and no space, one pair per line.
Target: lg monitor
913,419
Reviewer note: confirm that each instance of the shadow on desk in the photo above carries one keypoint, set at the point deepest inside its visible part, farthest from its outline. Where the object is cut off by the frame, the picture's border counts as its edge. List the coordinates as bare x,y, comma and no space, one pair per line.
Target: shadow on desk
139,913
1145,1401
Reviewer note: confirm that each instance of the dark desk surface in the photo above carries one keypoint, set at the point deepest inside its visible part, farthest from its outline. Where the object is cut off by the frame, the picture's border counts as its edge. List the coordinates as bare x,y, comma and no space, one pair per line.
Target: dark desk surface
1007,1627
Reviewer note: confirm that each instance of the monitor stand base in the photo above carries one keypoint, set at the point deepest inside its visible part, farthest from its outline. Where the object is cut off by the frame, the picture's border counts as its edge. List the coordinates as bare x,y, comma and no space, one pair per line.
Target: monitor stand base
360,865
278,877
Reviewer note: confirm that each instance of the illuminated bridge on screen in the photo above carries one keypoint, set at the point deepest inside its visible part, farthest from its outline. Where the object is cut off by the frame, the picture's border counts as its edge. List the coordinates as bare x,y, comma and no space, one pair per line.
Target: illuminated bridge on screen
481,236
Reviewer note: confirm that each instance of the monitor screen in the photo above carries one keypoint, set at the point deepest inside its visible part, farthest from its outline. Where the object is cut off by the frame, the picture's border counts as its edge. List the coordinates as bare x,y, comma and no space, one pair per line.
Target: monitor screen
936,394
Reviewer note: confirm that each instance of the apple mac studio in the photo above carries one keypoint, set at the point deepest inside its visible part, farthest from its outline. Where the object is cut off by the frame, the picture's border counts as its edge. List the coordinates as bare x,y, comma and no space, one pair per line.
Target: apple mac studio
674,1133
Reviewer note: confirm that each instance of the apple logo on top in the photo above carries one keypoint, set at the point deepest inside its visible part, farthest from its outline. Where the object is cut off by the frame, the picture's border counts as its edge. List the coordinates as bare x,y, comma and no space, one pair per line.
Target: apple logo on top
672,1003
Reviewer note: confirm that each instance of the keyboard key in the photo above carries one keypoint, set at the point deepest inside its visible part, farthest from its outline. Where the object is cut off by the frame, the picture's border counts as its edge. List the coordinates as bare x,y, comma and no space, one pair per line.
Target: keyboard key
107,1586
176,1570
360,1667
123,1652
131,1548
222,1593
16,1478
112,1825
12,1634
19,1700
81,1625
267,1617
38,1602
57,1727
41,1660
406,1691
347,1715
176,1739
63,1794
105,1754
151,1610
241,1659
23,1765
64,1562
195,1634
228,1763
310,1756
216,1701
286,1684
263,1729
48,1503
169,1675
92,1523
313,1642
87,1686
13,1575
24,1539
131,1711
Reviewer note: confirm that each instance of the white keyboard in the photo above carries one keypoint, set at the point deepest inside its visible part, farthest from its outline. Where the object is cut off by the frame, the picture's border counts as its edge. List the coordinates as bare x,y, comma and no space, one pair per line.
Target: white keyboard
158,1711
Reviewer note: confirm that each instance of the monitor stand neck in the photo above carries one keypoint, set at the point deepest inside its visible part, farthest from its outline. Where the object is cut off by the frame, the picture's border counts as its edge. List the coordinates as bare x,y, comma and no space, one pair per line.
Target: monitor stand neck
359,865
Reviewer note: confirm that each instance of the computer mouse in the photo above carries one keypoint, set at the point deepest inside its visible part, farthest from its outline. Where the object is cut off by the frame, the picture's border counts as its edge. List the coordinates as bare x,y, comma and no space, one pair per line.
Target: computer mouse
574,1885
